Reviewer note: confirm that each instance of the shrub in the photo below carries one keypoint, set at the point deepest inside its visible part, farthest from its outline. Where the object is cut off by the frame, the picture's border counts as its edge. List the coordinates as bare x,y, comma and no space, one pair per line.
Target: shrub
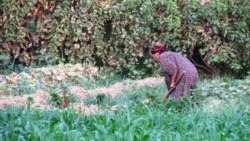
116,35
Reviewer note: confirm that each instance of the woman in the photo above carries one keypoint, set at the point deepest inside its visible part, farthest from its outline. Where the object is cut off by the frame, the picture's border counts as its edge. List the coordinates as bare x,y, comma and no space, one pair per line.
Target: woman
180,74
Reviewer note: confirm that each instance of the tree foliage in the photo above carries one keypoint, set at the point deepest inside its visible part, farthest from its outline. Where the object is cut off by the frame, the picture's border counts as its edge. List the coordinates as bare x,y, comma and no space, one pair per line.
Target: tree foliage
116,35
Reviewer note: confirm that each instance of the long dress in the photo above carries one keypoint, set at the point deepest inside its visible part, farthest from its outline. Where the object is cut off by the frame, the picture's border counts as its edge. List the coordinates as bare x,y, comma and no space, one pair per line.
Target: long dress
171,62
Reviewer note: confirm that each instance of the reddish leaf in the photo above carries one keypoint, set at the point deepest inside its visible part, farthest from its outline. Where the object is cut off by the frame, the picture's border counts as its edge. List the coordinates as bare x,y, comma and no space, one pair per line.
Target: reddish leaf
66,103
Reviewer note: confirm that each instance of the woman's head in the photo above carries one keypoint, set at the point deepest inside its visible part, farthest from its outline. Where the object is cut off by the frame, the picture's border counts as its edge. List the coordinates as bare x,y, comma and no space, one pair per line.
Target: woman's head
156,50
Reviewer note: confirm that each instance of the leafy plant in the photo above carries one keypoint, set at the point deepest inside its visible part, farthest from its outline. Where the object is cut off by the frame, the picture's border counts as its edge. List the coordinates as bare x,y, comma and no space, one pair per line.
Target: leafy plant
61,100
117,35
30,101
55,99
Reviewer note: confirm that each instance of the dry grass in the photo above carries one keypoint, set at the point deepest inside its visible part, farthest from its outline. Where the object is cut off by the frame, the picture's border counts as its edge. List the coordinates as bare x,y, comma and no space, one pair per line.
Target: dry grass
49,75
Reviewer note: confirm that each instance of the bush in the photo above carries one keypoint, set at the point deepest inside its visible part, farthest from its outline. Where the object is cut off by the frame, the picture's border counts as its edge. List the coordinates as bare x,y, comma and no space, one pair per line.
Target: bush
116,35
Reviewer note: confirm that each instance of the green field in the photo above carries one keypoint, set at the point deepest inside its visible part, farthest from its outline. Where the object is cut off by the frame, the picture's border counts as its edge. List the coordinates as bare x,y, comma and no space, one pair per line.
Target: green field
218,110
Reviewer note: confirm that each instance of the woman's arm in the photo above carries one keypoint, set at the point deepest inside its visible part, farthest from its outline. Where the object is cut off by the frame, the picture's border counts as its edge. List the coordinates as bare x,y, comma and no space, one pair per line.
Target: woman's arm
168,65
173,79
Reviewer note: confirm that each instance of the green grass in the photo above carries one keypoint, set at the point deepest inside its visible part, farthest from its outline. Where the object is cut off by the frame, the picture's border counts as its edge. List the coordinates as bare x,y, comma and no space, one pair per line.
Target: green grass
135,123
191,118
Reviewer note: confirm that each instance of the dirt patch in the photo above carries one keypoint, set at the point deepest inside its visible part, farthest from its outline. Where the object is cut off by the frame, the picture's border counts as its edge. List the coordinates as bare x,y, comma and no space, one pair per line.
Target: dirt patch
41,96
79,92
12,100
39,100
117,88
45,77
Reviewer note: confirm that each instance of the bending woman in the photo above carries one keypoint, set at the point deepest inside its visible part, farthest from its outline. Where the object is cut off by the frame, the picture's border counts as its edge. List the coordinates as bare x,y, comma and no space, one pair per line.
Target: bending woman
175,68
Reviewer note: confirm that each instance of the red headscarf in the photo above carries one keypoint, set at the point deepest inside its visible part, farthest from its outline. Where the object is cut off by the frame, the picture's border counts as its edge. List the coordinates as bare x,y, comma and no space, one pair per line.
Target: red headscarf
158,48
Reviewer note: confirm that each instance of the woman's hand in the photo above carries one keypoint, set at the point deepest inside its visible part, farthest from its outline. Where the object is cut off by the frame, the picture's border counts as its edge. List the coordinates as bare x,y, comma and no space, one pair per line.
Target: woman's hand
172,85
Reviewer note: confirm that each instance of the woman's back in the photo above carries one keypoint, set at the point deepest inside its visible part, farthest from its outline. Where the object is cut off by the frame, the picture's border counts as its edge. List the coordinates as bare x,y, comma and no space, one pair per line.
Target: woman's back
180,74
171,61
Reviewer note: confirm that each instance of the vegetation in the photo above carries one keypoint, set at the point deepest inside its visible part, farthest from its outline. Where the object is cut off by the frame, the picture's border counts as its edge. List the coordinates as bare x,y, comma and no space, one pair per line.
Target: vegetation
82,42
217,110
117,34
137,123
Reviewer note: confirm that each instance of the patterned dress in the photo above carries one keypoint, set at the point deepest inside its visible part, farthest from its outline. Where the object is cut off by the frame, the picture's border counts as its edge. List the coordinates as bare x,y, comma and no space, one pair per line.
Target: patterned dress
171,62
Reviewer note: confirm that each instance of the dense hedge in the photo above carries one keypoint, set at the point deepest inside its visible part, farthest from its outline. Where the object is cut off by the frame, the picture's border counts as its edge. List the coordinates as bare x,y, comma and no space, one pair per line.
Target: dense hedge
117,34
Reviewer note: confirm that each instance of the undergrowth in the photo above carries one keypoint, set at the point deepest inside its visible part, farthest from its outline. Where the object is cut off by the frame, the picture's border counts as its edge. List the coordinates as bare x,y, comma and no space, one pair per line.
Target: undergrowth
218,110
